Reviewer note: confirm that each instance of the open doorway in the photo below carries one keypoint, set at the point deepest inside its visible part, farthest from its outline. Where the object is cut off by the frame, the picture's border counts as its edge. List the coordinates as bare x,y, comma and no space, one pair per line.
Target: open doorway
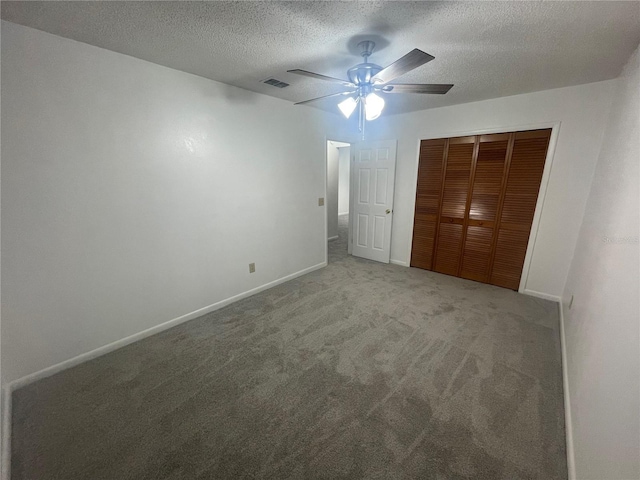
338,171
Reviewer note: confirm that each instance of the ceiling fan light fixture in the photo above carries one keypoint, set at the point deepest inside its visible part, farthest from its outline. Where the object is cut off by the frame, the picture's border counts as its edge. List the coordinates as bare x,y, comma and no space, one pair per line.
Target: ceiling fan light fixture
374,104
348,106
367,78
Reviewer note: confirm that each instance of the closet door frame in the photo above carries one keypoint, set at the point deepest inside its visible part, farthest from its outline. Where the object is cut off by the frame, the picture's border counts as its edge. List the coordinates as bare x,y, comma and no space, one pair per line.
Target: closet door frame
555,129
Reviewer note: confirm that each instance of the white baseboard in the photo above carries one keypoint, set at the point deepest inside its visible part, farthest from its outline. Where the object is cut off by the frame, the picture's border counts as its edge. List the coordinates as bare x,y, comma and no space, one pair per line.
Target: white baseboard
568,424
546,296
8,389
398,262
335,237
341,214
5,472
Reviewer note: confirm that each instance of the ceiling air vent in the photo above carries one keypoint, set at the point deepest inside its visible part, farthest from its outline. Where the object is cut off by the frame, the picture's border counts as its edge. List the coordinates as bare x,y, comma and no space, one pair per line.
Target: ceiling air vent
275,83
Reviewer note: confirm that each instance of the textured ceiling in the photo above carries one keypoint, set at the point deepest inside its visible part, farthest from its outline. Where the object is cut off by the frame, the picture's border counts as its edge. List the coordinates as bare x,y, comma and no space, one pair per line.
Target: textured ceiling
487,49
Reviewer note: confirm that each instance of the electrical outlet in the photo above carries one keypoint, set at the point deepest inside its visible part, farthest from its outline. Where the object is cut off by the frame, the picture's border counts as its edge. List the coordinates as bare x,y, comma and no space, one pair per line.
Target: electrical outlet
252,268
321,202
571,302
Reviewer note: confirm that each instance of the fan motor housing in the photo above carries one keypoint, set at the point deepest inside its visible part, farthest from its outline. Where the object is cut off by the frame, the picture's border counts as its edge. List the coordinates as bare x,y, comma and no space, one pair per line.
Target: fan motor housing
362,73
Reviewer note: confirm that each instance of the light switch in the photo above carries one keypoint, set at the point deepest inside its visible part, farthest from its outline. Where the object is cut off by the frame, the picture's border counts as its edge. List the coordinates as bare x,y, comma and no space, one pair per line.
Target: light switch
321,202
252,268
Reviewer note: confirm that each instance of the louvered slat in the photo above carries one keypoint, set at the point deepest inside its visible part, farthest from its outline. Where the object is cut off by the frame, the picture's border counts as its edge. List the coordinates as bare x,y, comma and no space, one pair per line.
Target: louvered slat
454,203
488,180
449,243
427,202
487,185
511,249
477,249
456,180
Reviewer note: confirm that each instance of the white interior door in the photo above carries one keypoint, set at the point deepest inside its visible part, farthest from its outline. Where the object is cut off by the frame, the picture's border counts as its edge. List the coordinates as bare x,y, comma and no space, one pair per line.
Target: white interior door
371,210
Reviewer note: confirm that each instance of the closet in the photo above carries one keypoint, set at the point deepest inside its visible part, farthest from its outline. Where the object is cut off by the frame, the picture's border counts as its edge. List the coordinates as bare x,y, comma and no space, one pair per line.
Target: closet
475,201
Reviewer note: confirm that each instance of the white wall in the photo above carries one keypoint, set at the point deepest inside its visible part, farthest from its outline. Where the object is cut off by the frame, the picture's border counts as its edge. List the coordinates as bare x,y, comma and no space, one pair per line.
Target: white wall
582,111
133,194
332,189
344,168
3,449
602,328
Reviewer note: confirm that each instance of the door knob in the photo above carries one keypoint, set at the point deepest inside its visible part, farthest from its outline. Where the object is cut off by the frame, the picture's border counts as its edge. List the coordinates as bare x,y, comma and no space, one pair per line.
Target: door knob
388,211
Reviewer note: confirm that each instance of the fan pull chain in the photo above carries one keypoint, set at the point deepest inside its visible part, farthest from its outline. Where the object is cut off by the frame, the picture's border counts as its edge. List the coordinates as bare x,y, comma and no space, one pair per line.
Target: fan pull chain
361,119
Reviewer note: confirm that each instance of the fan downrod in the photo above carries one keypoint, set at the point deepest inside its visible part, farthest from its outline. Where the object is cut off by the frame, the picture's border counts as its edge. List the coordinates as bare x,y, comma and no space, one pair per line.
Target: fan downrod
361,74
367,47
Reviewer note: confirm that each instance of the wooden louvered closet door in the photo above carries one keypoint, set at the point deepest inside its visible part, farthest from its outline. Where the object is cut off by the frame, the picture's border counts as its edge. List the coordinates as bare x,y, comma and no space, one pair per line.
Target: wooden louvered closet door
475,202
457,174
521,194
486,196
427,202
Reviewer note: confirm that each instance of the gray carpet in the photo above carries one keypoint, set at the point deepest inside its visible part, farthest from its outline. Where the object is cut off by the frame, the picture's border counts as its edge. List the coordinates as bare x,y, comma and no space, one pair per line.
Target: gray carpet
358,370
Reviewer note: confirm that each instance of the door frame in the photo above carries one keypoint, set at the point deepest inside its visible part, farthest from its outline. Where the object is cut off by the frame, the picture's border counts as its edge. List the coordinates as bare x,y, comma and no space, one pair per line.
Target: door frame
555,129
342,139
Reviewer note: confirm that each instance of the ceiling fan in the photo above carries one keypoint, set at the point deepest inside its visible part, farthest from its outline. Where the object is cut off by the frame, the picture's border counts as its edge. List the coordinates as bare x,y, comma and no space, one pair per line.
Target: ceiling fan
368,80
